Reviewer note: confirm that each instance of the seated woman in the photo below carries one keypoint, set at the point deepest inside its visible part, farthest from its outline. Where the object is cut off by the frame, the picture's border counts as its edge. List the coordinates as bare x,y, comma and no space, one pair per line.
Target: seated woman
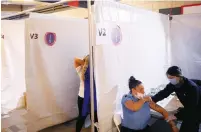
136,109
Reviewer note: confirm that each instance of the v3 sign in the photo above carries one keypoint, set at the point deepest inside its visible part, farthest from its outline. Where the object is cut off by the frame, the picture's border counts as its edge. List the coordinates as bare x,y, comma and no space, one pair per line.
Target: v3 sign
50,38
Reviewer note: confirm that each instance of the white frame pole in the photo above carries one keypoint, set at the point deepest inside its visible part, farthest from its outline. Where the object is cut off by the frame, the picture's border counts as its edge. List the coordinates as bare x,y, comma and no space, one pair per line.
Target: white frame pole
90,23
169,42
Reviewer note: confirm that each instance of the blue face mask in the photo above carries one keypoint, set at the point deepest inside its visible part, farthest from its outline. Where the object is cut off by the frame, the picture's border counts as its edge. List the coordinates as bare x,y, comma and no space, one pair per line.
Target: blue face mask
173,81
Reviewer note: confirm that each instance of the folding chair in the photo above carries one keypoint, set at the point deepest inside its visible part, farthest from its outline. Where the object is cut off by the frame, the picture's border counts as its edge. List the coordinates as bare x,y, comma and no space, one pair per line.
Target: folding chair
117,121
96,125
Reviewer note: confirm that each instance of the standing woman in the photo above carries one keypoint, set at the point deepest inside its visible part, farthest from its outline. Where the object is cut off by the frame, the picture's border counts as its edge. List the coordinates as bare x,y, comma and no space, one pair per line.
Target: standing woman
81,67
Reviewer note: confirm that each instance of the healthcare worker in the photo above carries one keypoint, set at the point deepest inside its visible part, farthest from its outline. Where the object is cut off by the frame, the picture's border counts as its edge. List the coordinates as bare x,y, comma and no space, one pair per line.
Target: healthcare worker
189,94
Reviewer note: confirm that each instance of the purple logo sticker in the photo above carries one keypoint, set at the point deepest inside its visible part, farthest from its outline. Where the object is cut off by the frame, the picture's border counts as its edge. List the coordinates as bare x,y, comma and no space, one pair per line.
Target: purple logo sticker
50,38
116,35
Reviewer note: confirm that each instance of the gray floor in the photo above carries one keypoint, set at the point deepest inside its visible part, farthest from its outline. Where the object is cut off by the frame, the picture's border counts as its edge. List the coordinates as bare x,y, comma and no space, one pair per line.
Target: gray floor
70,126
66,127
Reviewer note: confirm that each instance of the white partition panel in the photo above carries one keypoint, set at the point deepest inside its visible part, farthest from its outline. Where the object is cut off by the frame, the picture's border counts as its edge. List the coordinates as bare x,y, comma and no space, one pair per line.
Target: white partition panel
129,41
52,82
186,44
13,65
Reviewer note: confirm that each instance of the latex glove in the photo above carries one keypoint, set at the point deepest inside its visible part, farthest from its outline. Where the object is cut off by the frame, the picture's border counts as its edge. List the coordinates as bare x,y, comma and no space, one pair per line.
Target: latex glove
171,118
174,112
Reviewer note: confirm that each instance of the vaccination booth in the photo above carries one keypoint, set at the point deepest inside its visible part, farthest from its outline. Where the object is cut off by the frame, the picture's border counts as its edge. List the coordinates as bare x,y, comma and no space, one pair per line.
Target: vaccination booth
135,44
132,41
38,66
126,41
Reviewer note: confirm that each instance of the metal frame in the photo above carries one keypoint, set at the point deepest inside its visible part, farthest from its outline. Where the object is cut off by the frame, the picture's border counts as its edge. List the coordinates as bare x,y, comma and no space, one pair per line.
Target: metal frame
36,9
91,40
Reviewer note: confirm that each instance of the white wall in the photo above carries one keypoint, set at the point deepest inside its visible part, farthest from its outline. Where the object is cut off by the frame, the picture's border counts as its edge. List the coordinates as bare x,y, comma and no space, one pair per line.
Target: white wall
77,12
13,64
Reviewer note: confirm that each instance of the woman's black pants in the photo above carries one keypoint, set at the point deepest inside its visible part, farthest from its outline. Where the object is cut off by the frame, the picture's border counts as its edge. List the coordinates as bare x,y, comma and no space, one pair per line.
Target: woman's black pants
81,119
190,124
158,126
124,129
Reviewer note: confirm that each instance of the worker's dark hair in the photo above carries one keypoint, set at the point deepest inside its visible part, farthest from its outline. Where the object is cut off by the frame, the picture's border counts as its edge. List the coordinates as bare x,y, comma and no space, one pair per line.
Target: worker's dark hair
133,83
174,71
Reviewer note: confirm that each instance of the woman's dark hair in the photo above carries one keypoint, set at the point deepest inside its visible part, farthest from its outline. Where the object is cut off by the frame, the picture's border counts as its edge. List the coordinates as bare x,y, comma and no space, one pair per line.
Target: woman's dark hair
174,71
132,83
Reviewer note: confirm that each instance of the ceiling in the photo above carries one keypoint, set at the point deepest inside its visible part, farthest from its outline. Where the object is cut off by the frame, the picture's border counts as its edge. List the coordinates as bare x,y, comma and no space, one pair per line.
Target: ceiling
22,2
9,7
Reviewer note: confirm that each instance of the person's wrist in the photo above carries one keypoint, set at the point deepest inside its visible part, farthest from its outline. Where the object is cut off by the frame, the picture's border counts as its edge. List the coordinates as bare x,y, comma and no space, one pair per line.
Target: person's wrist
143,100
172,124
167,120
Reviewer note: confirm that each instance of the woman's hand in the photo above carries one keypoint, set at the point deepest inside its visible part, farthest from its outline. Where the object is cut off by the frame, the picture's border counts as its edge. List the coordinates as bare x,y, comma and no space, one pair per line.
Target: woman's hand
173,126
85,66
78,62
147,99
174,112
171,118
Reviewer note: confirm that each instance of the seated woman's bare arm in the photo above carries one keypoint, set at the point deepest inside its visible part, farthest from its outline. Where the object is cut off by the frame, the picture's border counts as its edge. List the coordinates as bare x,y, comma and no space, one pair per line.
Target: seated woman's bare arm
159,109
165,114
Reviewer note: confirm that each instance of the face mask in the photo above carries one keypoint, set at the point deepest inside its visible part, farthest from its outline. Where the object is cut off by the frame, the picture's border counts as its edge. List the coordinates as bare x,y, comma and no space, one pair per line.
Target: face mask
139,95
173,81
